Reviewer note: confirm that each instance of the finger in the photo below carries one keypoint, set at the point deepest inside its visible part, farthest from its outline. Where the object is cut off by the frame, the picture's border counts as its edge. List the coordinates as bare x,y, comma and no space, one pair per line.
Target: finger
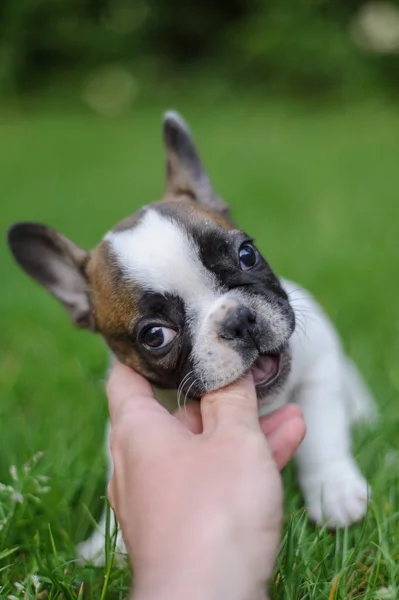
190,417
116,499
236,403
272,421
111,492
284,441
135,413
123,385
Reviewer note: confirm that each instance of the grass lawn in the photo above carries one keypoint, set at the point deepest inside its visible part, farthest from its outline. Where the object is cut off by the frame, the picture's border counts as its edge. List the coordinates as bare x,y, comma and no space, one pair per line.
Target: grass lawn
319,190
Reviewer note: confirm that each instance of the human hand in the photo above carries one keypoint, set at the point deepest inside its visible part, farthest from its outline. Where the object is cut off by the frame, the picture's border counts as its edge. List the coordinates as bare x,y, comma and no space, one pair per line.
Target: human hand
198,495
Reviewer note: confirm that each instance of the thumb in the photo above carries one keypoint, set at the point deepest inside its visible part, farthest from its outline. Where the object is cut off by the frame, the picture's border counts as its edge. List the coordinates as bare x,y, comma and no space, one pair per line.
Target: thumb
133,409
234,404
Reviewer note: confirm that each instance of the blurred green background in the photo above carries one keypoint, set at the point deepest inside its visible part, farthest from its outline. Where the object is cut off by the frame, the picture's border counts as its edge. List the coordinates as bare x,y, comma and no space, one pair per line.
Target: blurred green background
294,109
303,47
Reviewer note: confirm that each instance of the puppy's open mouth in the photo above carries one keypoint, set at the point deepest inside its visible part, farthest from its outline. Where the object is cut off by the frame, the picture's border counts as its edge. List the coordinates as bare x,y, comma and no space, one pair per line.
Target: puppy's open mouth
265,369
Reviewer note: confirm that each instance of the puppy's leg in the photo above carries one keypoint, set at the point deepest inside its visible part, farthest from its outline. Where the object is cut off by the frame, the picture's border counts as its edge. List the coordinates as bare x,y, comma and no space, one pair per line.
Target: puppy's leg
93,549
333,486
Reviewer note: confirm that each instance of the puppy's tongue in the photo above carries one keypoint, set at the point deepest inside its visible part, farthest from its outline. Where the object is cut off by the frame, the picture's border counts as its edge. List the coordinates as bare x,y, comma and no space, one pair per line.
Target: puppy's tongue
265,368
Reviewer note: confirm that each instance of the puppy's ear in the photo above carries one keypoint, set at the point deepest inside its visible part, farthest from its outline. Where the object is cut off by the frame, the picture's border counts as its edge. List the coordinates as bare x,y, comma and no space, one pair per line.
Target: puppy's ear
184,171
57,264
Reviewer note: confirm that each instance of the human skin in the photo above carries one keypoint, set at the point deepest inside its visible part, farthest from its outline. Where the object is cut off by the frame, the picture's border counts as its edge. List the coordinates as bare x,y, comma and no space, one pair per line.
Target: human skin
198,494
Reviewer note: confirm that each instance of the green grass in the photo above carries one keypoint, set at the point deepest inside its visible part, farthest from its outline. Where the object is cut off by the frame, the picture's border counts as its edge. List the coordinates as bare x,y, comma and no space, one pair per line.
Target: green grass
319,191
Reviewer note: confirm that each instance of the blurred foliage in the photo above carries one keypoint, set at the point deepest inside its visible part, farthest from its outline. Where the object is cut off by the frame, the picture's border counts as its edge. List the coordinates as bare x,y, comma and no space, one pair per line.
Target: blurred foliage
301,46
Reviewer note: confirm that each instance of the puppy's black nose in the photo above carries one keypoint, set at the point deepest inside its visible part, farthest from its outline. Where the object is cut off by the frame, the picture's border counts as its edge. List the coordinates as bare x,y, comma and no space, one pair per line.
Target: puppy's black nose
239,324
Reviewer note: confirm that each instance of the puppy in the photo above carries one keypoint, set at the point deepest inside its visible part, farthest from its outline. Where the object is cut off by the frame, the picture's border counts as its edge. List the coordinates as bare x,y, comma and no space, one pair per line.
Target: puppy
183,296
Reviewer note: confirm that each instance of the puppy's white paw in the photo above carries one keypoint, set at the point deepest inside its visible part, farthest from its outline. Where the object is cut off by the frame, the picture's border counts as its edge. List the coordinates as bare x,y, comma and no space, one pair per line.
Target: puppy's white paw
92,550
336,493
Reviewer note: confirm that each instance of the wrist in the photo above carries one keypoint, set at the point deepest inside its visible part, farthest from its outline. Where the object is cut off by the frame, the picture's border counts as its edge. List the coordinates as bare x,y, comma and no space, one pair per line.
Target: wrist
178,583
201,580
193,594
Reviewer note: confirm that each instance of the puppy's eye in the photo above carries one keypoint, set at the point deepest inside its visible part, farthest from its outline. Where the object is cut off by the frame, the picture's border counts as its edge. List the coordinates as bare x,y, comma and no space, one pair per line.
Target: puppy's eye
248,256
158,337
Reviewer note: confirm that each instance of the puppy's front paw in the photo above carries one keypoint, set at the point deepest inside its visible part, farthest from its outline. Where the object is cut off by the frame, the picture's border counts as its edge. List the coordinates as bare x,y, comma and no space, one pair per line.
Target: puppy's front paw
336,493
92,550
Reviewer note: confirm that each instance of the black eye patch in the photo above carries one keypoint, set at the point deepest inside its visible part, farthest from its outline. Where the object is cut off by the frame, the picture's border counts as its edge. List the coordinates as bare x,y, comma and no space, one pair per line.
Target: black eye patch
162,318
167,306
236,262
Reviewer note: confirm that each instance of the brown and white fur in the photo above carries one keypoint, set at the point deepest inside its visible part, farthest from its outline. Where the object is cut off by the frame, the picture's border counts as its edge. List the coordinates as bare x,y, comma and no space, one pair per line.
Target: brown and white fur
183,296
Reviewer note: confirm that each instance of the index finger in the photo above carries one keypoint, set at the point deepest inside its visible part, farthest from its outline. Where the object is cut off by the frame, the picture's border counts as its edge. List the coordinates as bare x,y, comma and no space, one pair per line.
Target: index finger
135,414
121,385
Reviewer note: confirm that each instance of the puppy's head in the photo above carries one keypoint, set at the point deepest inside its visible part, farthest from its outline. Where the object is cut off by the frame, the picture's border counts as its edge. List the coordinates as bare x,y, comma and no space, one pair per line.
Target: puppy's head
177,291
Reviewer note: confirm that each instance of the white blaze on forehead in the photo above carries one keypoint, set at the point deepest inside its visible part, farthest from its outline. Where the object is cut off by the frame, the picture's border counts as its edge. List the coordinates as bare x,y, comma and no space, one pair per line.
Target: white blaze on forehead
161,257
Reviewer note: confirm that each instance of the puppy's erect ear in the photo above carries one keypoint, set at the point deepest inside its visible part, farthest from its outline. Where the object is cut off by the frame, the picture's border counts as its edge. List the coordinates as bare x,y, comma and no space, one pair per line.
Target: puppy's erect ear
184,171
57,264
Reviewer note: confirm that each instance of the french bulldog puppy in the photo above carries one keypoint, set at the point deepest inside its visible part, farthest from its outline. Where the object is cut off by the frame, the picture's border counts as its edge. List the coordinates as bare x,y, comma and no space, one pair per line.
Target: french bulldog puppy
184,297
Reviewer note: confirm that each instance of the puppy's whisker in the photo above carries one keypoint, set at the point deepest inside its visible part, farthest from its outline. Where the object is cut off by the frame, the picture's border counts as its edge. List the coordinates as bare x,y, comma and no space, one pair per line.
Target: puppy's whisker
299,298
309,317
294,304
295,301
182,383
301,322
302,328
294,291
188,391
306,312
